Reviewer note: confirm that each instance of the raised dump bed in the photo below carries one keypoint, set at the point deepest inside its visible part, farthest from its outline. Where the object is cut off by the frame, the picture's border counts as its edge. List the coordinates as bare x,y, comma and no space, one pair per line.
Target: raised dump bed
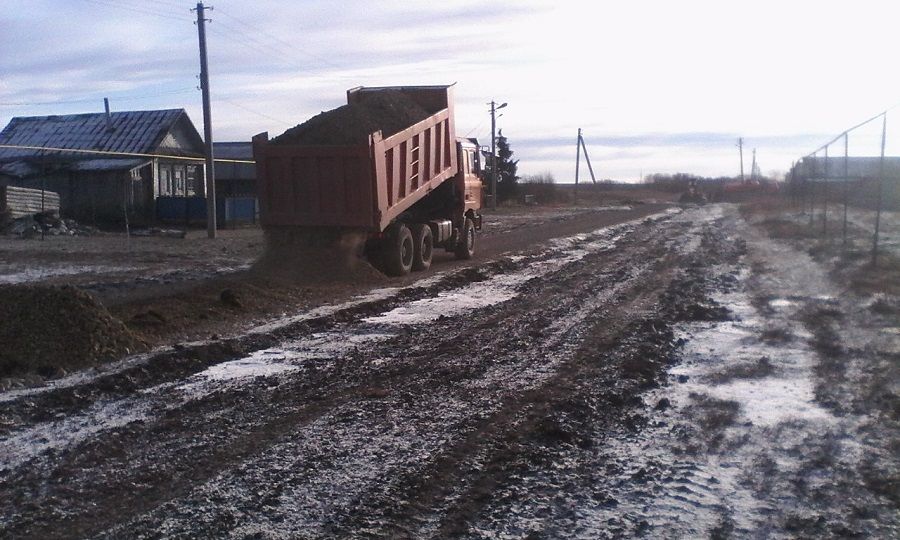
387,164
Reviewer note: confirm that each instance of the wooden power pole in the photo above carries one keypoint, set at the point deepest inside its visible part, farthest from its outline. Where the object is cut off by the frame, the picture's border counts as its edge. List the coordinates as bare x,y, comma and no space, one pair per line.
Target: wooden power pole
494,160
207,127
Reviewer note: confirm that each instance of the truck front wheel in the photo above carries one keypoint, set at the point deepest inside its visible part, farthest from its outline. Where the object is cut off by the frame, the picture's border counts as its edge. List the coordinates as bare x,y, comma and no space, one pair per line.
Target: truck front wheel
423,246
398,251
465,248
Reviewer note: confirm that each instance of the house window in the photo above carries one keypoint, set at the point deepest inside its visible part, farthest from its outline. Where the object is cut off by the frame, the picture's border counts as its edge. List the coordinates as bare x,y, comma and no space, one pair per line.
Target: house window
179,181
192,179
165,181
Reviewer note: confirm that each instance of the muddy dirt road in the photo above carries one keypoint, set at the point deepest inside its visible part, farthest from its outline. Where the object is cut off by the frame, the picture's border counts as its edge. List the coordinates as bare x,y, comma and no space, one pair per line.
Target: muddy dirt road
680,375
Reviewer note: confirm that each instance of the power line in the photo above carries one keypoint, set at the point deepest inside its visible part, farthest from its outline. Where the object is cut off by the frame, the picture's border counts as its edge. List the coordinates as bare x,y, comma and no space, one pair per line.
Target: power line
170,4
94,99
257,113
289,46
111,153
137,9
264,47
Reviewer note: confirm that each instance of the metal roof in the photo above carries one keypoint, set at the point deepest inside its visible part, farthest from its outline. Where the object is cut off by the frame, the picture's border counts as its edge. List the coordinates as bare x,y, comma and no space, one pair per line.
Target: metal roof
108,164
233,150
128,131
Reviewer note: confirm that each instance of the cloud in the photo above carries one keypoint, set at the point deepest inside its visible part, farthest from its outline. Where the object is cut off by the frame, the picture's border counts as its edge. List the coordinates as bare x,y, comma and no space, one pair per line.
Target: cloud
654,84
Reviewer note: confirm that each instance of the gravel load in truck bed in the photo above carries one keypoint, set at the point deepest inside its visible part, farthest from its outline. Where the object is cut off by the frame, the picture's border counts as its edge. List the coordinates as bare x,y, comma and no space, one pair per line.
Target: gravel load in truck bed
388,111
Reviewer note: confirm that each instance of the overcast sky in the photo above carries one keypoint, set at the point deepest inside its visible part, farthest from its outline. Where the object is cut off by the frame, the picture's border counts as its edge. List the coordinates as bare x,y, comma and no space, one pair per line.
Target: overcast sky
657,86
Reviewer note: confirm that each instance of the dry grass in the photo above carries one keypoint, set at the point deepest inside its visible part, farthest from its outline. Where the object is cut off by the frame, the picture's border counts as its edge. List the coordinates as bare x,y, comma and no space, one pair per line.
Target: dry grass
883,277
713,415
756,370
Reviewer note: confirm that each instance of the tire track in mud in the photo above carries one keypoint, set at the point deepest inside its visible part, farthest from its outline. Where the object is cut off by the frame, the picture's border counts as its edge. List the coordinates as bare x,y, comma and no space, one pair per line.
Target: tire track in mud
405,412
395,380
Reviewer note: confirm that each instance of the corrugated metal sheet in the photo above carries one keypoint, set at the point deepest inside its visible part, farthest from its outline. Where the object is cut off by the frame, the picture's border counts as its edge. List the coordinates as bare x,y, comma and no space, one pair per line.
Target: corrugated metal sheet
132,132
234,171
107,164
233,150
19,169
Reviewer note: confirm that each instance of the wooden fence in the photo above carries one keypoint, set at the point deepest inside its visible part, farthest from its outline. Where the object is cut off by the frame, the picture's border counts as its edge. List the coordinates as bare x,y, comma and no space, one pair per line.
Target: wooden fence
18,201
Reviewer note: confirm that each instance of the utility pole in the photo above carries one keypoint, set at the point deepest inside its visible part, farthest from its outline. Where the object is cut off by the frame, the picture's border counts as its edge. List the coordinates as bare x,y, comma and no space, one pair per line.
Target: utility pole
587,158
753,174
207,127
740,145
494,109
577,162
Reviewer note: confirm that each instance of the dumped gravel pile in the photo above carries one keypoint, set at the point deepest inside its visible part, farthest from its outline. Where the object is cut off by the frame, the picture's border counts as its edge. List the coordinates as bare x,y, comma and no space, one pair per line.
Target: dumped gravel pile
388,111
50,330
317,258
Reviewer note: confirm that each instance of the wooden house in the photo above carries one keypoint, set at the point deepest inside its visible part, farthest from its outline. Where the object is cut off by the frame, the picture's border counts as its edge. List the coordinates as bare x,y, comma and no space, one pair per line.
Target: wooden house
105,164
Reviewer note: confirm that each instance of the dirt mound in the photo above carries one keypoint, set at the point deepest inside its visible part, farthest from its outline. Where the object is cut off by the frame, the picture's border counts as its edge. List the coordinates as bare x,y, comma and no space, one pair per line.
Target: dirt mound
388,111
51,330
317,258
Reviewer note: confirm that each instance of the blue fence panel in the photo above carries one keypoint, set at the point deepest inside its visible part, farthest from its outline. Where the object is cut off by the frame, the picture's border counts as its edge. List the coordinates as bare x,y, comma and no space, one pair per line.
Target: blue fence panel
193,210
181,209
241,209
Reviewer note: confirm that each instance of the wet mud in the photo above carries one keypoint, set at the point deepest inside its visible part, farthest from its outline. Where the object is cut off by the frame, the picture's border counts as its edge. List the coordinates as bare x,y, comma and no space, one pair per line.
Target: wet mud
674,376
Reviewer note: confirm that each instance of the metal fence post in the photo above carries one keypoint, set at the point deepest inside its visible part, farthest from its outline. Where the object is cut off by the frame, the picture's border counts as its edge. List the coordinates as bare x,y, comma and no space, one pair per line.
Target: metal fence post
880,190
846,181
825,193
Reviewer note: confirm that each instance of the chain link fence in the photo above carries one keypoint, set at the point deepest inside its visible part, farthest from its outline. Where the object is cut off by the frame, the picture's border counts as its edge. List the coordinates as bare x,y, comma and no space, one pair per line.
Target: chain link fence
852,183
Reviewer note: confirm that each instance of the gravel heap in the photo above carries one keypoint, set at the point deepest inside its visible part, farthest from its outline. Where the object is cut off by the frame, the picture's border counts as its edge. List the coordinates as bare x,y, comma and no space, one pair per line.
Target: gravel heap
388,111
317,257
53,330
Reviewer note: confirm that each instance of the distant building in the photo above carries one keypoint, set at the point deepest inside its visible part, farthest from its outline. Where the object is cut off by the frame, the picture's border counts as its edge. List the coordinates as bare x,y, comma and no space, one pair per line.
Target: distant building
39,152
858,168
864,183
235,183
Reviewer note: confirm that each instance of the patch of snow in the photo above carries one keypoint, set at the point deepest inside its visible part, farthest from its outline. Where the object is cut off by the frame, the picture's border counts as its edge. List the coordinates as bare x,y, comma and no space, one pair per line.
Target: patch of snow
24,445
15,274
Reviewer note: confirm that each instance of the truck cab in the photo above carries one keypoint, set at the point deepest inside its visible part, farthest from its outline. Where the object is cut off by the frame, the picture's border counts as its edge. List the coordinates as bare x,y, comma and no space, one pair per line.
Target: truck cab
469,175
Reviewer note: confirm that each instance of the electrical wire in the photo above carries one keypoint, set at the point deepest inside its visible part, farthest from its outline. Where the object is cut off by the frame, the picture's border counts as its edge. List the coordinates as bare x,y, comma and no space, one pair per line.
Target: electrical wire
122,154
288,46
257,113
94,99
137,9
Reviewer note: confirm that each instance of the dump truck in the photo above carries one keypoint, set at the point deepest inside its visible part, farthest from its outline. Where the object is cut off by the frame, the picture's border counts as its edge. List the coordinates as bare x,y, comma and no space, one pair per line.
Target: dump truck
409,188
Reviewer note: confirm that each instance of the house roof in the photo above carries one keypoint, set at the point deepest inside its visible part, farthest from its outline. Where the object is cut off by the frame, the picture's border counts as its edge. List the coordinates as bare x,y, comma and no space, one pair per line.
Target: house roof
136,132
234,150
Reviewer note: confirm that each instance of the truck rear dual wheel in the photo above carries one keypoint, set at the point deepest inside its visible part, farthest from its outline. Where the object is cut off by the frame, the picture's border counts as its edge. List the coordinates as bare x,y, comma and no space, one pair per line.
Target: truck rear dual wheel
423,246
465,248
398,251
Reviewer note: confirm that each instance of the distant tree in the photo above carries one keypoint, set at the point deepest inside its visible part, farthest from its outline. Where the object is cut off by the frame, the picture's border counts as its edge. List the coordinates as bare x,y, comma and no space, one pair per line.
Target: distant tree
507,170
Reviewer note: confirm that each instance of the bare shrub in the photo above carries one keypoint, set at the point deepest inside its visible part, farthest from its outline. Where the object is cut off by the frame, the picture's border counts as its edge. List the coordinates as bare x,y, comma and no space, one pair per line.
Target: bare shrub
542,188
755,370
